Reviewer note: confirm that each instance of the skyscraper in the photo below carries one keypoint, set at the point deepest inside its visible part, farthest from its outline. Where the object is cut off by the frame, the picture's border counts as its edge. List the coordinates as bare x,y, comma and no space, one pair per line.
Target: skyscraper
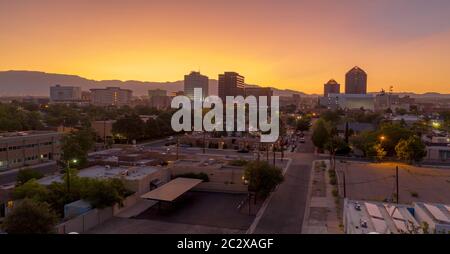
356,81
231,84
60,93
156,92
111,96
195,80
331,87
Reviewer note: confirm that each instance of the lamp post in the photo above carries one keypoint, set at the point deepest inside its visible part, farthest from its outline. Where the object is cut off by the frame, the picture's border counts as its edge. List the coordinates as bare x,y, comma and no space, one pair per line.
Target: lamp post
74,161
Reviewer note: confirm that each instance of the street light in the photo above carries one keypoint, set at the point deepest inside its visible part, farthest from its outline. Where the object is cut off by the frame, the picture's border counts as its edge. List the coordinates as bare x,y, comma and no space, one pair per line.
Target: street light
74,161
382,138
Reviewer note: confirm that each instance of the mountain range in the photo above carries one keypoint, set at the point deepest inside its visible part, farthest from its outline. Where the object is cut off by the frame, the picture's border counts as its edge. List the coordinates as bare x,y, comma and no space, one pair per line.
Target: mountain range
36,83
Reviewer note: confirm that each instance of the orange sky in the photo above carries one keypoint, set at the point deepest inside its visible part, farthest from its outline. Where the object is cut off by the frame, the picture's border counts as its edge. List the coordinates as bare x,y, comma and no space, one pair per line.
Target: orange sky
286,44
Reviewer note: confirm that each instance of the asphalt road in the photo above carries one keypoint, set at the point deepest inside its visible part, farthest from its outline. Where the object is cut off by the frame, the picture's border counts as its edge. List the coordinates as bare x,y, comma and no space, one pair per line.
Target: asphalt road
285,210
11,176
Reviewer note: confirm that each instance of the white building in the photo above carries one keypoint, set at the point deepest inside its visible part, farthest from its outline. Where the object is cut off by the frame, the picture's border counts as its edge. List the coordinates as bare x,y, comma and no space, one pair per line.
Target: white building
137,179
436,216
111,96
363,217
369,217
348,101
69,94
438,153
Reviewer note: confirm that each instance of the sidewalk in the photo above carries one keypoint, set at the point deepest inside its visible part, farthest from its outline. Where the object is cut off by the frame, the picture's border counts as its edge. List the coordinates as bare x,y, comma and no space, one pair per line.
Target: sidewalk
321,211
9,171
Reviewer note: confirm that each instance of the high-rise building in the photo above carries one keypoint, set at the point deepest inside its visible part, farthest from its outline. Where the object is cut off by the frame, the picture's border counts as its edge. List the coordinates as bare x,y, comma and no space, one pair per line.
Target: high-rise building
356,81
156,92
60,93
111,96
259,91
195,80
231,84
331,87
160,101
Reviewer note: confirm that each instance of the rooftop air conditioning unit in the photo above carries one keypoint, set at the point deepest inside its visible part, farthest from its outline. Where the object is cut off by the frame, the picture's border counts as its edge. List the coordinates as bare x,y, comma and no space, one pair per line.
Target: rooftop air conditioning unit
357,206
364,224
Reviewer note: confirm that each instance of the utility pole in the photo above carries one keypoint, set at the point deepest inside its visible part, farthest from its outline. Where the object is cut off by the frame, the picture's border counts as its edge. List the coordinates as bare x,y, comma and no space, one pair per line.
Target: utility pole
274,154
396,178
258,150
104,133
204,142
178,146
345,186
68,177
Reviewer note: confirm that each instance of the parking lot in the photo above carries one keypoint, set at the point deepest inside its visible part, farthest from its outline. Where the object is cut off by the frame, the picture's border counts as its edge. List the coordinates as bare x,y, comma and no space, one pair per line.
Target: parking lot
376,181
204,208
196,213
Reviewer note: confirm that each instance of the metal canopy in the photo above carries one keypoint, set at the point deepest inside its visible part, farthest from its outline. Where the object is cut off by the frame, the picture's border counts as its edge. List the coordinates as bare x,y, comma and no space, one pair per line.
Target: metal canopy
172,190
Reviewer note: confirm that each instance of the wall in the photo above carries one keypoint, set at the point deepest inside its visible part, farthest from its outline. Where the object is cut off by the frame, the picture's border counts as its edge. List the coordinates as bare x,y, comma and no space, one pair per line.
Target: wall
86,221
94,217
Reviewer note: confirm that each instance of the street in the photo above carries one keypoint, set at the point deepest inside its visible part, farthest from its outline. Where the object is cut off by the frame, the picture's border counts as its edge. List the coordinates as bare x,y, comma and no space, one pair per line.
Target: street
285,208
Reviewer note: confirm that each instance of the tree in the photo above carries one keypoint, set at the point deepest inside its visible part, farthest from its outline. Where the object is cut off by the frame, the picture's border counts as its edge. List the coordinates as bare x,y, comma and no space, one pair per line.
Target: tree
331,116
411,149
393,133
30,217
380,152
32,190
262,177
24,175
131,127
303,124
104,193
320,134
60,114
76,145
365,141
152,129
332,145
401,111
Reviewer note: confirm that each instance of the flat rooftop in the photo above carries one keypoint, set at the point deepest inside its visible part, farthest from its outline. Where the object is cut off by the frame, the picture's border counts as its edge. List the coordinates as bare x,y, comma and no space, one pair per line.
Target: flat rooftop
25,134
170,191
103,172
439,213
364,217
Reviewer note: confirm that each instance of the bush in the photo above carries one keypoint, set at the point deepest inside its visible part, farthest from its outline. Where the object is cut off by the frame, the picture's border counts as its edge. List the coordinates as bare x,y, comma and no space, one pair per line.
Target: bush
103,193
414,194
32,190
98,192
335,192
238,163
30,217
201,176
24,175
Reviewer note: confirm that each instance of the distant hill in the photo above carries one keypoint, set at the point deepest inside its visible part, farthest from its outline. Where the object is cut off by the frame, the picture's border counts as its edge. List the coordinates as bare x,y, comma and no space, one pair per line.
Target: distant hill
38,83
34,83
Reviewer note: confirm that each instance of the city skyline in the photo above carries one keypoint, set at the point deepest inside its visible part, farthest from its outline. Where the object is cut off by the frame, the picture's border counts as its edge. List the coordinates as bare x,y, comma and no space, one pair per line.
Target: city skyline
287,45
